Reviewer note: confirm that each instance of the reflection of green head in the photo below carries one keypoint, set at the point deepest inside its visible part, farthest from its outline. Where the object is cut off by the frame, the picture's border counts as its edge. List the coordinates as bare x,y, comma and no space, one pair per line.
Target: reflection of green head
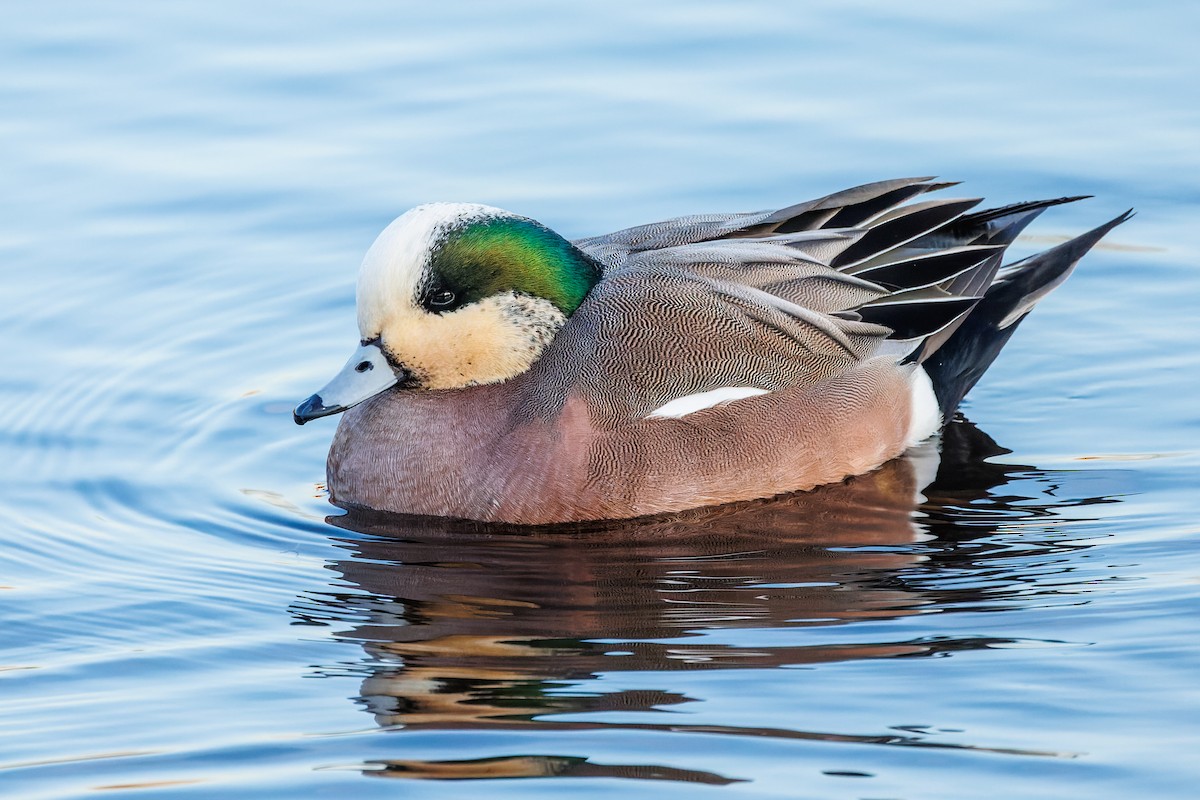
509,254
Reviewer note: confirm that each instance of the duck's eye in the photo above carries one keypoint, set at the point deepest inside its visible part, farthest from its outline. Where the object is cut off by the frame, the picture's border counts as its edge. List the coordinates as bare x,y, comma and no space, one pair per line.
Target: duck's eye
441,298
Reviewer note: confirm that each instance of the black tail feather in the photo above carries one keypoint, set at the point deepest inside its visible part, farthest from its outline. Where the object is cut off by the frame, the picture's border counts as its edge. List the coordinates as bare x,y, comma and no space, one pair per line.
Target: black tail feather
962,359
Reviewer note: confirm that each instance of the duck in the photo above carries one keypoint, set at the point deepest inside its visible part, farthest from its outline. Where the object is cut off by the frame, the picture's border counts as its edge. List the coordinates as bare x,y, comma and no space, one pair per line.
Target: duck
506,374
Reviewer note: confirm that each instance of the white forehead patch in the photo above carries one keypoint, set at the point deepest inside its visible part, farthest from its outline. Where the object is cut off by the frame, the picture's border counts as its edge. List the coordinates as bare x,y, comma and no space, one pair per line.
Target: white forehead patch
393,267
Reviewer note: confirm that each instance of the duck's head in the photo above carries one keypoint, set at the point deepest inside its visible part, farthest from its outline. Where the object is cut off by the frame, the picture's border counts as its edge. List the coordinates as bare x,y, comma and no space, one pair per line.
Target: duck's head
453,295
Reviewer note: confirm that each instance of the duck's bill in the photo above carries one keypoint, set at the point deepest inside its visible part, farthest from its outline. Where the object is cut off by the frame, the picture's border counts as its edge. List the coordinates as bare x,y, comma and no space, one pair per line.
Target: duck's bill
365,375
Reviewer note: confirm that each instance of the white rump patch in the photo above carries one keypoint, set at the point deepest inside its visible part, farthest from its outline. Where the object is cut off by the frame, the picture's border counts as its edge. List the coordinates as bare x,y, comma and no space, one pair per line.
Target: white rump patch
682,406
926,419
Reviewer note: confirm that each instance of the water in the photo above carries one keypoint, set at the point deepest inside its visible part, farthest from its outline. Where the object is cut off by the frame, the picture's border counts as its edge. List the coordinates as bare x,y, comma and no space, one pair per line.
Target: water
190,187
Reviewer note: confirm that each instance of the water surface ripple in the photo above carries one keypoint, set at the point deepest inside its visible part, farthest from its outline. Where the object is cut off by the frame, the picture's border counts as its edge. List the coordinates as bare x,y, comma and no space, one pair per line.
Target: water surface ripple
191,188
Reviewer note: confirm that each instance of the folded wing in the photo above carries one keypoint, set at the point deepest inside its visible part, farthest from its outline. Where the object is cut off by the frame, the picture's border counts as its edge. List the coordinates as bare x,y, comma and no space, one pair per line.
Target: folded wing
776,299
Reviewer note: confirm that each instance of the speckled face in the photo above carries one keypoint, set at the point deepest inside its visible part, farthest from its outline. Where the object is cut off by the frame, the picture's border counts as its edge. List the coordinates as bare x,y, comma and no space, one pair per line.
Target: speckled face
459,295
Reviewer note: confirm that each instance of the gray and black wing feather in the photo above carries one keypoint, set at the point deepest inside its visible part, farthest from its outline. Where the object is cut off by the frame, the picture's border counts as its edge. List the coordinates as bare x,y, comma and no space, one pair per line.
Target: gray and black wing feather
791,297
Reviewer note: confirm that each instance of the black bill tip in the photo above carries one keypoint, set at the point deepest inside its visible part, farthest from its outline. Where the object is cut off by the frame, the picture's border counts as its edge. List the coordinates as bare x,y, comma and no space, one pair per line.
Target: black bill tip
313,408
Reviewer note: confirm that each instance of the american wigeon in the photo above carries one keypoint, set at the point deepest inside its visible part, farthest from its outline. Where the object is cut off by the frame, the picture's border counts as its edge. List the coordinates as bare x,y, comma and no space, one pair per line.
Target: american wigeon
507,374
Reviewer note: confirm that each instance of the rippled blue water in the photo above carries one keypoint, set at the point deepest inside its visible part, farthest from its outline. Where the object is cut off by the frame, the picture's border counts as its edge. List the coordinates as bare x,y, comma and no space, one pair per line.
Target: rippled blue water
189,189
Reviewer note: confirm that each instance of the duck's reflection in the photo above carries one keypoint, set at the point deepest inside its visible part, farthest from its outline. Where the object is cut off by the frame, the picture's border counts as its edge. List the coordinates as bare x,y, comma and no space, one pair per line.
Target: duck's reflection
471,626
